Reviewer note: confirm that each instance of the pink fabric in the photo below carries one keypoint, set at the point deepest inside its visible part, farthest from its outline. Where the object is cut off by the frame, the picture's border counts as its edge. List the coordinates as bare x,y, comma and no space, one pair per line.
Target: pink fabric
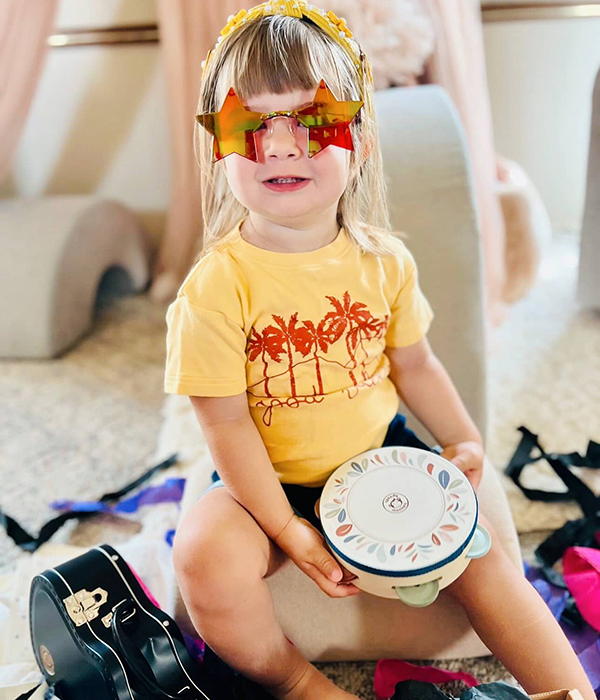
388,672
24,29
145,588
581,570
188,29
458,65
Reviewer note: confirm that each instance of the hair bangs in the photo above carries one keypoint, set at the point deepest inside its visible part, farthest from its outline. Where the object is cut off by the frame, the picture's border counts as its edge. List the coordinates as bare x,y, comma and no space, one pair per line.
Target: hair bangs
280,54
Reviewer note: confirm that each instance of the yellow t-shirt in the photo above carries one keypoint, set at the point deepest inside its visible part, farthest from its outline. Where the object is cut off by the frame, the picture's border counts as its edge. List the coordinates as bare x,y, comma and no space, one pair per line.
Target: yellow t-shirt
304,335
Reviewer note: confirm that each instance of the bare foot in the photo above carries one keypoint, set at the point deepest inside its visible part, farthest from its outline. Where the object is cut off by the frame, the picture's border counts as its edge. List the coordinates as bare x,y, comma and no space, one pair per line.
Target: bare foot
311,685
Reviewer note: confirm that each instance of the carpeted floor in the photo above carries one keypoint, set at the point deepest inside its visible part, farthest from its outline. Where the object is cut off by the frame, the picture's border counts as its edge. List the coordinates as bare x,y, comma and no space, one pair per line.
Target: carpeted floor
545,374
88,422
83,424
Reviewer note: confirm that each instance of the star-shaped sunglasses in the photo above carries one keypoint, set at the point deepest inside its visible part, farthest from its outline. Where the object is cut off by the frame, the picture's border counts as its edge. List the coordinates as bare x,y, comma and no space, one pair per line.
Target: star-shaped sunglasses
326,119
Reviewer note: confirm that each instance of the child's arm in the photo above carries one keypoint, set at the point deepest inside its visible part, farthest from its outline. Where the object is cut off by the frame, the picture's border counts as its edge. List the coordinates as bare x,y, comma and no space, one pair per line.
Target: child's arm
244,465
428,391
242,460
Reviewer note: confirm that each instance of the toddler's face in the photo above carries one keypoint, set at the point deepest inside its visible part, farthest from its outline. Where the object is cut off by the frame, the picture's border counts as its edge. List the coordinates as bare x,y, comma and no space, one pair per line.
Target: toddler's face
282,151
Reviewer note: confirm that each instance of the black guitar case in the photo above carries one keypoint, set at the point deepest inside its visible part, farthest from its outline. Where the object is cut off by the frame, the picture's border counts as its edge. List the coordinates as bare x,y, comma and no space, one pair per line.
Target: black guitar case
97,636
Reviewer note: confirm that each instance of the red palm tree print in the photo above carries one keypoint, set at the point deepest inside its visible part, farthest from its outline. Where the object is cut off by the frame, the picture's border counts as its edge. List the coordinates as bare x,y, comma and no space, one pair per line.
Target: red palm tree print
349,320
355,319
264,344
308,338
284,336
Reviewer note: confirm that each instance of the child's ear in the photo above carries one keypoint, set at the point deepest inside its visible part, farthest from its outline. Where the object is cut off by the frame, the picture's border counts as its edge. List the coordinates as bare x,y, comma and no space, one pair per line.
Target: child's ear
367,148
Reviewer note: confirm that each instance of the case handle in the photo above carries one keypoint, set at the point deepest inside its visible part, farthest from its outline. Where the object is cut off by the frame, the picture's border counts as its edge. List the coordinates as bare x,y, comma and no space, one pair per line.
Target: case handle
136,661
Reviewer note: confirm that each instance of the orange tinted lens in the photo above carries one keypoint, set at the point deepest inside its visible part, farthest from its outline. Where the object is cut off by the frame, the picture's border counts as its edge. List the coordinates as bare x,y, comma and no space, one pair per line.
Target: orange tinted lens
328,120
232,128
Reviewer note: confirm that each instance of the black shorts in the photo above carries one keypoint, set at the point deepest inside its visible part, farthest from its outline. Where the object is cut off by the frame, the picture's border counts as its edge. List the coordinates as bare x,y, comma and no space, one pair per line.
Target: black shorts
303,498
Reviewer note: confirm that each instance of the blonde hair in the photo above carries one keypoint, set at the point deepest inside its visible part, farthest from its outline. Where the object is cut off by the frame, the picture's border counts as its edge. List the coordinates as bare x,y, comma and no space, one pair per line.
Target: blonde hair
277,54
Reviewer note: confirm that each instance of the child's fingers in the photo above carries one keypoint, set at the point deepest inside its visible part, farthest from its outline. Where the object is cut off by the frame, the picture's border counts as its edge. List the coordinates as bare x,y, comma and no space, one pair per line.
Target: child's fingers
474,476
317,562
320,557
333,589
347,576
328,566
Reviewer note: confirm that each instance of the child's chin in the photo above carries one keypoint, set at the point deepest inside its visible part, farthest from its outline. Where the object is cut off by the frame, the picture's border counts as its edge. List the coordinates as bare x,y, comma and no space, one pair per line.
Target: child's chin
291,212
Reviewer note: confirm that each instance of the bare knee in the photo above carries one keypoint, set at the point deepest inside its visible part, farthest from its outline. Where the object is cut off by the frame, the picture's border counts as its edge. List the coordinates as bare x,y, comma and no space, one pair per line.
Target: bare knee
473,584
214,561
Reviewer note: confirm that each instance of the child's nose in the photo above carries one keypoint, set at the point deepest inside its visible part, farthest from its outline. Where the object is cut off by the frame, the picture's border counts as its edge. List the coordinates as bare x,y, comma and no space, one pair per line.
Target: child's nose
281,137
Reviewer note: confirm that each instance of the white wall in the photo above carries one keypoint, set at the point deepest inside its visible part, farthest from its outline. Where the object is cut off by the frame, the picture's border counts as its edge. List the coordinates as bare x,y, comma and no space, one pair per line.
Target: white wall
75,14
541,75
99,122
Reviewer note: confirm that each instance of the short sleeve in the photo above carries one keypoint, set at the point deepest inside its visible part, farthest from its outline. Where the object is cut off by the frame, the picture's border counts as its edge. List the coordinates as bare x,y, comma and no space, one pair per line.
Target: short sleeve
411,314
206,347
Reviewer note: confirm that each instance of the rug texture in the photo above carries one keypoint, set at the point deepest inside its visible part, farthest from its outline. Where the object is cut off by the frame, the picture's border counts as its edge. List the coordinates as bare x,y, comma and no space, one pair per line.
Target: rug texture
544,373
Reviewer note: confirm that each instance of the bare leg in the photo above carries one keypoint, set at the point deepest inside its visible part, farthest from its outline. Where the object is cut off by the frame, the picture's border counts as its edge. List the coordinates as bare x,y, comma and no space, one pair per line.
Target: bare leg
516,625
221,558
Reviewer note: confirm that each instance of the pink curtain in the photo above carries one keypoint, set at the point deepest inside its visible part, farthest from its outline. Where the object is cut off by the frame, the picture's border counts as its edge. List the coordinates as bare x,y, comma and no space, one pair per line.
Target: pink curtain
24,29
188,29
458,64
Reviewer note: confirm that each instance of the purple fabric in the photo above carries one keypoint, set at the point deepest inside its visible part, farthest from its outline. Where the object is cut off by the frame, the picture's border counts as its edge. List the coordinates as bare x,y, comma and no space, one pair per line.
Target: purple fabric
585,642
590,660
554,597
170,491
195,645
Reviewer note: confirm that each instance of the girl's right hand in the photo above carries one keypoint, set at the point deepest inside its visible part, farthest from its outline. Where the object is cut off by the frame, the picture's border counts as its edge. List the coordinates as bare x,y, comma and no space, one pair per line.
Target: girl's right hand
305,546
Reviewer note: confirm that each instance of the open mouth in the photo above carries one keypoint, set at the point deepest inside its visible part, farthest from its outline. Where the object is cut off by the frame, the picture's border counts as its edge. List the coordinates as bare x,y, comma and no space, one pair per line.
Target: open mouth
286,184
285,180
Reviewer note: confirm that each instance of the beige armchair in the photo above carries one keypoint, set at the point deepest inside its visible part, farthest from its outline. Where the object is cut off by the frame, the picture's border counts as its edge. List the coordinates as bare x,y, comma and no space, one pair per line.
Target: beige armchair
431,198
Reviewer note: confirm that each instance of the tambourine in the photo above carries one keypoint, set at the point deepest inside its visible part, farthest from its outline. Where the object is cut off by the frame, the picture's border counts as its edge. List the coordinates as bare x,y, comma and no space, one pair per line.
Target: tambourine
404,520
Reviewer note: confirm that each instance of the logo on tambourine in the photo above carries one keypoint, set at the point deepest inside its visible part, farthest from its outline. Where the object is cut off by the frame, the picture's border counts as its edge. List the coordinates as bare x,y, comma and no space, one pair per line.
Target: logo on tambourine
395,502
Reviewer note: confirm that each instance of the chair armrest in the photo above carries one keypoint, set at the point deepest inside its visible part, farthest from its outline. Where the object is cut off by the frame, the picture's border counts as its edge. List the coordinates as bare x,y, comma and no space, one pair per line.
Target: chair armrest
431,199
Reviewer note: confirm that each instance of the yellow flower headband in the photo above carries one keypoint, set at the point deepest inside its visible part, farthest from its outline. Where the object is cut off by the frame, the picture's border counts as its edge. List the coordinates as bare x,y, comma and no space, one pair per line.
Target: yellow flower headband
235,128
332,25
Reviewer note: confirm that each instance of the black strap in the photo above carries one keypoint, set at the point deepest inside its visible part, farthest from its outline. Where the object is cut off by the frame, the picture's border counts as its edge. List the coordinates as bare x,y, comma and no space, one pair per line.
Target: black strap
29,693
574,533
577,490
135,660
29,543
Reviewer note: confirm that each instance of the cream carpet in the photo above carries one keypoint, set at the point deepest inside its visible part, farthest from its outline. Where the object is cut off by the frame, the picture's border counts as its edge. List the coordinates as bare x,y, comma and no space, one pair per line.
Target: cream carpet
88,422
545,375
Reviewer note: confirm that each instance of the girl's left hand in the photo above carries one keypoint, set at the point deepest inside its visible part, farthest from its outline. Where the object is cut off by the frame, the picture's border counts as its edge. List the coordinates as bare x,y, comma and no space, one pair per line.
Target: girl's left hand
468,457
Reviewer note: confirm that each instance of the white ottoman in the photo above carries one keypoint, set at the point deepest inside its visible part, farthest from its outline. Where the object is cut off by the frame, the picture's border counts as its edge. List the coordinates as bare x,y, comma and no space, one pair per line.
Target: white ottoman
55,251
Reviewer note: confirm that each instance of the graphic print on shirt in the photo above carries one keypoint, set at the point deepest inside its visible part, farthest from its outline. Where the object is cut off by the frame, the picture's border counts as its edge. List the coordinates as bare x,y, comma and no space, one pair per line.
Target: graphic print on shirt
284,345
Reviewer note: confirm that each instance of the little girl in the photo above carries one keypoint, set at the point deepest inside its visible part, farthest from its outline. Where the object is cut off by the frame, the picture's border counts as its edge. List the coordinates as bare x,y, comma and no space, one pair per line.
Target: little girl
294,334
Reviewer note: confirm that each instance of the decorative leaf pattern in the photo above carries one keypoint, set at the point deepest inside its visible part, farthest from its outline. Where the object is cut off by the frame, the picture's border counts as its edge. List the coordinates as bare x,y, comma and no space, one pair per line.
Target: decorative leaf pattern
455,513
